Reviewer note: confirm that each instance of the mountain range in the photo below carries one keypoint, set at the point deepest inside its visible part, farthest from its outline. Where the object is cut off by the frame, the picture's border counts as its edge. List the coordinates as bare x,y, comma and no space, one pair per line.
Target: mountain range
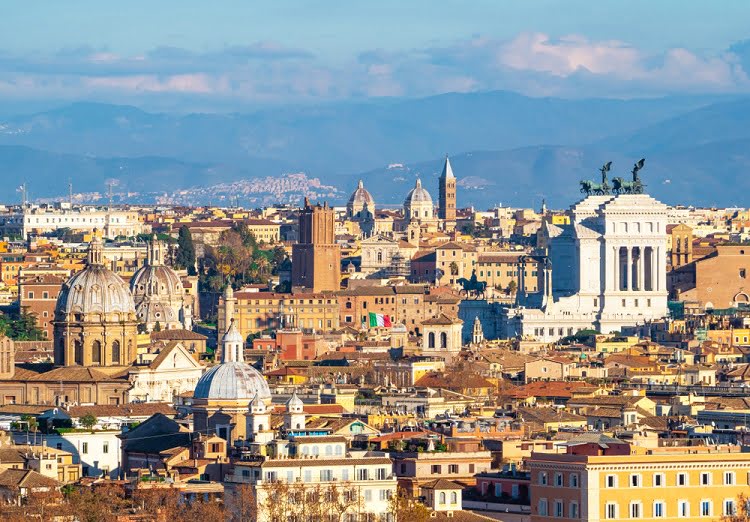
505,148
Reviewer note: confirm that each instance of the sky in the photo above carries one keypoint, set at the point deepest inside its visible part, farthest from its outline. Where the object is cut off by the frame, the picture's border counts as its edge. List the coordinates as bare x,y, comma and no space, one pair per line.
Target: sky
183,54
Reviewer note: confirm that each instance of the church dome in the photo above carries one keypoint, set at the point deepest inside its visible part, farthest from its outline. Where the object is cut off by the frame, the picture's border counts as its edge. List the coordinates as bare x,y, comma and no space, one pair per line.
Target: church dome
157,290
359,199
418,195
234,380
94,290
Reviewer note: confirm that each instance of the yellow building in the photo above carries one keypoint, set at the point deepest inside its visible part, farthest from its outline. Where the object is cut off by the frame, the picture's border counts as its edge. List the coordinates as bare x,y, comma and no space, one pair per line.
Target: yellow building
262,311
672,485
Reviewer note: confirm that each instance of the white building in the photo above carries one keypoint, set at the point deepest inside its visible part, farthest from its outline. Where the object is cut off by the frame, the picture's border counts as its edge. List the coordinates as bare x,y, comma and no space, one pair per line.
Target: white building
605,270
346,485
44,219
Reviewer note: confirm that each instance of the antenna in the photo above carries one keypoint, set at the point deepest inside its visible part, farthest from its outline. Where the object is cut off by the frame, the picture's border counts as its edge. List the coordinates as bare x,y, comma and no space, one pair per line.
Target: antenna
110,184
70,192
22,190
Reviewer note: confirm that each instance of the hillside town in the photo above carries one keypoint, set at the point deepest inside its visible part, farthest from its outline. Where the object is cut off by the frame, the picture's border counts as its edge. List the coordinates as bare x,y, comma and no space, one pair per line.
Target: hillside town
363,363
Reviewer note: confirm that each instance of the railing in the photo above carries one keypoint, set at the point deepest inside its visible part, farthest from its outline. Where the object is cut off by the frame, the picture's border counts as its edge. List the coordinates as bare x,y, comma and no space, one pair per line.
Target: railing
680,389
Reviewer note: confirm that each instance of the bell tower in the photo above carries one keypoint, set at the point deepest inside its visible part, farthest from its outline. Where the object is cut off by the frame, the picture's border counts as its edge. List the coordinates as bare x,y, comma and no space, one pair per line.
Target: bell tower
447,196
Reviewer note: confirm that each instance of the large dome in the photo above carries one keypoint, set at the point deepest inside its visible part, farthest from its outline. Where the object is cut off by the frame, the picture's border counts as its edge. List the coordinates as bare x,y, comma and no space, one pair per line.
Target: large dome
359,199
418,195
95,289
158,293
232,381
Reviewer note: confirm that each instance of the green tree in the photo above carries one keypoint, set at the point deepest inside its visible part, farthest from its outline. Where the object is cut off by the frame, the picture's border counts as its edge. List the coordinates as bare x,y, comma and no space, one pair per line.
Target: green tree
157,327
88,421
512,287
21,326
185,257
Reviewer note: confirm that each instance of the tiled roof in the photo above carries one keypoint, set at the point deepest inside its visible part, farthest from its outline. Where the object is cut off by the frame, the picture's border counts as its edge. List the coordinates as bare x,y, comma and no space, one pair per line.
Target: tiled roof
134,409
26,478
441,483
177,335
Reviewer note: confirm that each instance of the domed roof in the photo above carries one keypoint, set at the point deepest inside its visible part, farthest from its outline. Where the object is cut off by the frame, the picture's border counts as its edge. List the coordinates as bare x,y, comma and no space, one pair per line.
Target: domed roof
361,196
418,195
95,289
230,381
159,280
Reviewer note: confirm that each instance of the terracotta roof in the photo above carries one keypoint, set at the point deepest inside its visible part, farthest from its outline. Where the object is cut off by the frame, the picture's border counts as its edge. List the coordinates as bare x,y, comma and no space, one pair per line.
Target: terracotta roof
26,478
442,320
560,389
133,409
441,483
452,381
177,335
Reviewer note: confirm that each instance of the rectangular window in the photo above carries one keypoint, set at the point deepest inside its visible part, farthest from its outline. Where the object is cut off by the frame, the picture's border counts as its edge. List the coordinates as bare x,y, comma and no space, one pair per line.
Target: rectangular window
729,478
658,509
611,481
682,479
573,510
326,475
635,481
683,509
658,480
705,508
308,476
543,478
558,480
635,510
610,511
705,479
729,508
542,507
574,480
105,447
453,468
85,447
558,508
435,469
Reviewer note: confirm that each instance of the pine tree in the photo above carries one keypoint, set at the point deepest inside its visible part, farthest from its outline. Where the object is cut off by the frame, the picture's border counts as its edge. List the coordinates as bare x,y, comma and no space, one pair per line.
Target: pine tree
185,257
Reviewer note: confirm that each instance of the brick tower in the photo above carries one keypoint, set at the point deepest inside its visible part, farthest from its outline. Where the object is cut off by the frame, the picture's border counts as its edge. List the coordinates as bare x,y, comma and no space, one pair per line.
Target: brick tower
447,196
316,258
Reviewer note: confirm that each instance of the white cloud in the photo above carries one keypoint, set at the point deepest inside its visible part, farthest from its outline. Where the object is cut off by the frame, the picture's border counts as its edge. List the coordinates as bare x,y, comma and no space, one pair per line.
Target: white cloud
261,72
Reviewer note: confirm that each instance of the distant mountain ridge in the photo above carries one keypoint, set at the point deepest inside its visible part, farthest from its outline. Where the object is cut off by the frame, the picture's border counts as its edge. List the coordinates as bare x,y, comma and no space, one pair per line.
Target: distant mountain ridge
523,148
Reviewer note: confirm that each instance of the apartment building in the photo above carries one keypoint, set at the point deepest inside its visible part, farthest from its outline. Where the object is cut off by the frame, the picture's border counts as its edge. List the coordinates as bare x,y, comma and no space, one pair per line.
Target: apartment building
605,482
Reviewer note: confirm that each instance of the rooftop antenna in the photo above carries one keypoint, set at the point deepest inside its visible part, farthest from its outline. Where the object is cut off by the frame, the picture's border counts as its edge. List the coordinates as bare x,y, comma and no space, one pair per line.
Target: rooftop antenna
22,190
110,184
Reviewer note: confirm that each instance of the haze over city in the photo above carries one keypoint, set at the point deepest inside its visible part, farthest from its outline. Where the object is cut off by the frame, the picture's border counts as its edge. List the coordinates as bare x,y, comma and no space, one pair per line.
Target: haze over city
393,261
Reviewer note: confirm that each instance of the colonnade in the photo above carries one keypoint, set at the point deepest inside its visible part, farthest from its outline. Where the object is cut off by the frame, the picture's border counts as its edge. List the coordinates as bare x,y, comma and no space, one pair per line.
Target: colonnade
636,268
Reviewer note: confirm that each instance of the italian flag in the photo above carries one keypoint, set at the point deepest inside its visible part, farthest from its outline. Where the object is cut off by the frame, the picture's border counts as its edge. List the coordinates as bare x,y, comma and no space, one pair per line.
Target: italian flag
379,320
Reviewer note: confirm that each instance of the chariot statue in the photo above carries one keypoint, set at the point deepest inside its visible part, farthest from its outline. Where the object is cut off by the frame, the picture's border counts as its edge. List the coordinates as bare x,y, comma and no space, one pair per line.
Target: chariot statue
635,186
590,188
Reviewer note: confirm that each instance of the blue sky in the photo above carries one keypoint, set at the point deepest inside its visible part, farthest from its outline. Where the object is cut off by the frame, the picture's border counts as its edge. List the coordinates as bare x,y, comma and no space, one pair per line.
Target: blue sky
243,52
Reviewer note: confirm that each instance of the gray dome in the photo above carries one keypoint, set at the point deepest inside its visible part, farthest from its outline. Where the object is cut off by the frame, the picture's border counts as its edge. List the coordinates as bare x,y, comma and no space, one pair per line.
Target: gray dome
95,289
157,293
232,335
417,195
230,381
360,197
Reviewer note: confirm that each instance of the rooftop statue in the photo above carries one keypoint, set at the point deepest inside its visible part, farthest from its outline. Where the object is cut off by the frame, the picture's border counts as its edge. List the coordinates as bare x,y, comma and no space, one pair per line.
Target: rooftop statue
589,187
472,287
630,187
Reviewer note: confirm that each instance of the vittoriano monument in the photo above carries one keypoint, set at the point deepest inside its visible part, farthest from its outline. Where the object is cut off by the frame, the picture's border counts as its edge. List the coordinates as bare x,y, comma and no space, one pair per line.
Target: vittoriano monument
619,185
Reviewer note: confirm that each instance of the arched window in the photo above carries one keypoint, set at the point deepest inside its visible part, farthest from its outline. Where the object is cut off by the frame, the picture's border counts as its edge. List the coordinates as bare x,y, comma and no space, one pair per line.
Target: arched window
96,352
380,256
260,427
329,450
116,352
443,340
78,349
431,340
454,498
442,497
348,305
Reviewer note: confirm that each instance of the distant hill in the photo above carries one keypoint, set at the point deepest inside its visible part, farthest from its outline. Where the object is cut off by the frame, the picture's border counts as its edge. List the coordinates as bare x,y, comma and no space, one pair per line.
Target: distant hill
524,147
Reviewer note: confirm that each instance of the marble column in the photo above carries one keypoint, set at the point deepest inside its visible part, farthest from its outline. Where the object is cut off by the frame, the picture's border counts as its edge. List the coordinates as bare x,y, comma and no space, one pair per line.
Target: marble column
641,267
629,269
616,269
